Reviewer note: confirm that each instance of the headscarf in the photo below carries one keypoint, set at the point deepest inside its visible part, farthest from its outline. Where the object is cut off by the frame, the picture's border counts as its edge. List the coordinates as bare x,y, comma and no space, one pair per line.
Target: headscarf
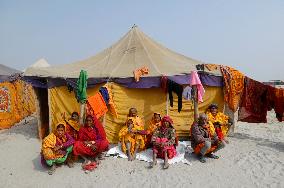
60,123
213,105
167,119
98,127
153,118
50,140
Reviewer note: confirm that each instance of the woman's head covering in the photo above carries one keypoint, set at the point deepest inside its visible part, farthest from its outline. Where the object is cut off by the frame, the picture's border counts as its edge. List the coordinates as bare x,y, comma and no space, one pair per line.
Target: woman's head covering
98,126
153,118
201,117
213,105
167,119
61,123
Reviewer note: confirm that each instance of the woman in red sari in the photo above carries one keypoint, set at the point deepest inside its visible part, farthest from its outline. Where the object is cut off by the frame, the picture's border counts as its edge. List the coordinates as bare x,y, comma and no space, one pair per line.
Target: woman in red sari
92,140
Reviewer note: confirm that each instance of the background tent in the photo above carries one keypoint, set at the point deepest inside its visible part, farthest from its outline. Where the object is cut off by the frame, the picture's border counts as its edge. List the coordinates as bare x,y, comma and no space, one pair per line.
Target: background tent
17,99
39,64
115,66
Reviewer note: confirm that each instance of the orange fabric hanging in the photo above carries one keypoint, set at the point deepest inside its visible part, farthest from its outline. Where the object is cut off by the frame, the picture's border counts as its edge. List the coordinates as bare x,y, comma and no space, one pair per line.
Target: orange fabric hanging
140,72
234,86
211,67
97,105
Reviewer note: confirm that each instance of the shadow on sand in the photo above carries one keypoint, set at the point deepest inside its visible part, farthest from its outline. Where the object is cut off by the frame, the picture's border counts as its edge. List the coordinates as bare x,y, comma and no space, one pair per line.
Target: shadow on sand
261,141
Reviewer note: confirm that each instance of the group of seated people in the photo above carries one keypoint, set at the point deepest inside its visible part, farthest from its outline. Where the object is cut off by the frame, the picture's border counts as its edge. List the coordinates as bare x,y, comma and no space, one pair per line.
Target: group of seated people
70,141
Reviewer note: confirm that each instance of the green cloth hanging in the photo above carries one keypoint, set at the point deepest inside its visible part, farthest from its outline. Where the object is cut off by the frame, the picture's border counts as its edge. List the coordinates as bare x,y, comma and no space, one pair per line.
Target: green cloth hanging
81,91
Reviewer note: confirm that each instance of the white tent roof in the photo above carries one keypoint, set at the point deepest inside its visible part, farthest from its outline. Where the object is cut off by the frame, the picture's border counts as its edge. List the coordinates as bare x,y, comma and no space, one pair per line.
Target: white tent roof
132,51
40,63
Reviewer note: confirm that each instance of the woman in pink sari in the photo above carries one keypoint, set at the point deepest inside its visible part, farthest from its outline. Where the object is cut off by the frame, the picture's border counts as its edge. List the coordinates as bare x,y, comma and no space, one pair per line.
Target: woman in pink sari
163,141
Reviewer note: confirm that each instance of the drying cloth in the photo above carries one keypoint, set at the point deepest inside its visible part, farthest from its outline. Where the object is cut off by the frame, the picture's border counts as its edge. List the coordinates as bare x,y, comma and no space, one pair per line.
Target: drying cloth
178,89
112,106
140,72
276,101
254,103
147,155
233,86
96,105
194,80
105,94
187,93
211,67
164,83
81,91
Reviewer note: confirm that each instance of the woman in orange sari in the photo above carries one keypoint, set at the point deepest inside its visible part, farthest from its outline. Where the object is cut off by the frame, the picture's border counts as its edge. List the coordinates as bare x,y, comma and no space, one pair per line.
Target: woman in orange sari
218,119
73,125
130,139
92,140
56,147
153,125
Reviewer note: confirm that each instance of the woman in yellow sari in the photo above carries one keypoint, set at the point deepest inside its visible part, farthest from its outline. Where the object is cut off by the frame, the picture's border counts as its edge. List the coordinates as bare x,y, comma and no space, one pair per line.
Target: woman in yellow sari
153,125
218,119
56,147
130,140
73,125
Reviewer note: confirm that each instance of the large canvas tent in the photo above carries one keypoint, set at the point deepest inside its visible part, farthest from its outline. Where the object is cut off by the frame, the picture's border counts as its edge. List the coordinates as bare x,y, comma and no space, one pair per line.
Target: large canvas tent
115,66
17,99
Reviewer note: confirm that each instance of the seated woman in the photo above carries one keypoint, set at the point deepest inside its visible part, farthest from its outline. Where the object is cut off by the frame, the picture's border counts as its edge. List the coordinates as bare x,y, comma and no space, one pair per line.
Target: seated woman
163,141
131,141
218,119
153,125
73,125
56,147
204,140
92,140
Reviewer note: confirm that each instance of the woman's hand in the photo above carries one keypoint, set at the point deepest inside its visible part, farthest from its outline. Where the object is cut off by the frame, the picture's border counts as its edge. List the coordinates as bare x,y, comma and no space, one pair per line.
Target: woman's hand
93,147
87,143
58,147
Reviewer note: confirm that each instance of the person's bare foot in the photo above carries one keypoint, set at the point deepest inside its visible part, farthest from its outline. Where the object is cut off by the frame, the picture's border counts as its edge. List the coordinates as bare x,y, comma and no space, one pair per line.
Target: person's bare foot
101,156
134,157
166,165
153,164
70,164
130,158
51,169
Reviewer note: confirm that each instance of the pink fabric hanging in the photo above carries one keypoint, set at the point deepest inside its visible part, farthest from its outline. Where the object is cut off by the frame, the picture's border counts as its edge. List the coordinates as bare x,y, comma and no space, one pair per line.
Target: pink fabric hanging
194,80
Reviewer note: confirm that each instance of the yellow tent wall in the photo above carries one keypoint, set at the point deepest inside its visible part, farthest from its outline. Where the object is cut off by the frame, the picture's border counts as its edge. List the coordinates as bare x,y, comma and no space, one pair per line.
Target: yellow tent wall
17,101
146,101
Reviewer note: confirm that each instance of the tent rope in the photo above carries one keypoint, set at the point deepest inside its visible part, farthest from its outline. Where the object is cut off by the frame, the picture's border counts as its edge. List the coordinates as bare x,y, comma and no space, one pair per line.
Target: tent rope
148,55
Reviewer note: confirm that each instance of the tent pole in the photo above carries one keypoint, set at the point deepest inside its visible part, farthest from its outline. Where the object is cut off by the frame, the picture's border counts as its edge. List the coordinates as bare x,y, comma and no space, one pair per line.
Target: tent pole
167,105
104,120
82,112
195,97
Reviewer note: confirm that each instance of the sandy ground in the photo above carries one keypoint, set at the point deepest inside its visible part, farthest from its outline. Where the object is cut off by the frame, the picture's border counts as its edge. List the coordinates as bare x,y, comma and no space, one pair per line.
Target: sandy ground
254,158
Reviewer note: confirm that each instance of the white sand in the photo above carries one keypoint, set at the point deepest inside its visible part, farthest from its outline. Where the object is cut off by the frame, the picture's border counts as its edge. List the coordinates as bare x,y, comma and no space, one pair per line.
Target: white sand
254,158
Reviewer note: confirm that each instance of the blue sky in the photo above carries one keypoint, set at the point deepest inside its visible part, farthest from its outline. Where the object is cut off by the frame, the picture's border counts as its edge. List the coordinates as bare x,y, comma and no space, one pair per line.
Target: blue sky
245,34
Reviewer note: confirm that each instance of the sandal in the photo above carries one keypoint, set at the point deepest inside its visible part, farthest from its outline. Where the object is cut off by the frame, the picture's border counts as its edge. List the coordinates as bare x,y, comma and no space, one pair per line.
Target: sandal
202,159
51,170
212,156
90,167
153,164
